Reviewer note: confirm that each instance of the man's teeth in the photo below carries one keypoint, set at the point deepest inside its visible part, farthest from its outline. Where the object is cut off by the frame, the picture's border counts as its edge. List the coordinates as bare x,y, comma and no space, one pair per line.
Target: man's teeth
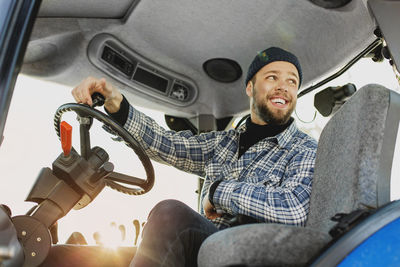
279,100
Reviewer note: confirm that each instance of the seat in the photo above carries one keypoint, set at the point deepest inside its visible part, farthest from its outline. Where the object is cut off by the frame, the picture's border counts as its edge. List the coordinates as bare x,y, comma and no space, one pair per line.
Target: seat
352,171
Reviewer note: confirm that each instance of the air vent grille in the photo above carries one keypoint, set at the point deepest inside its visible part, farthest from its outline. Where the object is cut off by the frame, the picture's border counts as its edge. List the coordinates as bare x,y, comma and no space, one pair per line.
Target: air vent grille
140,74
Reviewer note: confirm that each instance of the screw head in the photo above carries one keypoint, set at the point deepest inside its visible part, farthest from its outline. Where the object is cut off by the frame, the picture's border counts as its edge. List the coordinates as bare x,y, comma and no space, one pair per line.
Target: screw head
38,239
33,254
23,233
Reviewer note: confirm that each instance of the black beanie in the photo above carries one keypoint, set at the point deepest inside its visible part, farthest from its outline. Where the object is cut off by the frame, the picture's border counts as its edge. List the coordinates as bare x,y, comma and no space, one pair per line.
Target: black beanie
270,55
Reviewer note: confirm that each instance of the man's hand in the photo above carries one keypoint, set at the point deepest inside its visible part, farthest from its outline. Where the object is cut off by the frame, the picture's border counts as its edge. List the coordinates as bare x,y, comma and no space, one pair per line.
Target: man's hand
82,93
209,209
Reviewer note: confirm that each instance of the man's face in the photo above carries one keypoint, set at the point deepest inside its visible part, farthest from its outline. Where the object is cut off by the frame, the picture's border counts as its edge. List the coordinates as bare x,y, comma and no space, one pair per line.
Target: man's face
273,96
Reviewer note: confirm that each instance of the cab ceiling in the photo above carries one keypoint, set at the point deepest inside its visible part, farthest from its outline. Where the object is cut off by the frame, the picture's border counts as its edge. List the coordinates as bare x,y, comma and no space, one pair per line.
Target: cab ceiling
86,9
181,35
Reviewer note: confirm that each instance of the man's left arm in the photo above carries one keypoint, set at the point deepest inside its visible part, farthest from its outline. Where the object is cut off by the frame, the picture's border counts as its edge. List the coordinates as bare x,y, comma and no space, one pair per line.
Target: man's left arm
287,203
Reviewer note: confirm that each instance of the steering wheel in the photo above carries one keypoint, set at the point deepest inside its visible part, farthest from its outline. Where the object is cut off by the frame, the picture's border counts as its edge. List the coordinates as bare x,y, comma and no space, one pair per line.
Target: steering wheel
114,179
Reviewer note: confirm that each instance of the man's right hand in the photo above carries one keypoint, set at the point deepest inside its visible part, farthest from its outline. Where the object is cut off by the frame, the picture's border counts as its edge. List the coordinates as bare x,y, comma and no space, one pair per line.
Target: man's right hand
82,93
209,210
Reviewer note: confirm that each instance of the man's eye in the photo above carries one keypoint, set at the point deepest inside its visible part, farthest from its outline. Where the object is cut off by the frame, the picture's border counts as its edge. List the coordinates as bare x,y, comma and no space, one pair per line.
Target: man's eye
291,81
271,77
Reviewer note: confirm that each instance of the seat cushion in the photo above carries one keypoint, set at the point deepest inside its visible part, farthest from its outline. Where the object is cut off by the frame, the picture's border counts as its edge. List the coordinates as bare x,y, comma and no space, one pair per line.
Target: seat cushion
277,244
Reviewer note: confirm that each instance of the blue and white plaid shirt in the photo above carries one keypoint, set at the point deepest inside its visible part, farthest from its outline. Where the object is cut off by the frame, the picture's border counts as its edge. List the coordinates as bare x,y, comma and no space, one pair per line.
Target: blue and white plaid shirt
270,182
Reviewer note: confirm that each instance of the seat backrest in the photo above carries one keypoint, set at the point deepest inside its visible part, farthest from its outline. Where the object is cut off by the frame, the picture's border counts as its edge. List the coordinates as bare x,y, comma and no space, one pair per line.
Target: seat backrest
354,156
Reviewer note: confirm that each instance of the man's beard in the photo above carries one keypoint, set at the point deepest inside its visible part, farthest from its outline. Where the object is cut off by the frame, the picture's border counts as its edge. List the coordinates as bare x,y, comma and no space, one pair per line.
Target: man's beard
263,112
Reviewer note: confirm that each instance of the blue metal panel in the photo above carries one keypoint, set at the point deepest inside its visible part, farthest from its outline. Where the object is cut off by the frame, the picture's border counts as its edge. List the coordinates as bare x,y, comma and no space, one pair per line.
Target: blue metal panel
380,249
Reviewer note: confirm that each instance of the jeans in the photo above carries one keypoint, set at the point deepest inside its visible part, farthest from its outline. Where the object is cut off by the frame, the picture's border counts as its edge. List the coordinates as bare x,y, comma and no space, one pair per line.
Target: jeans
172,236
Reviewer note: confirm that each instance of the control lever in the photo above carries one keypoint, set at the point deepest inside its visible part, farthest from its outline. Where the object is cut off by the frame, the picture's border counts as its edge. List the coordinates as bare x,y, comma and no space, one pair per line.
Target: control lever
126,179
103,172
98,99
66,137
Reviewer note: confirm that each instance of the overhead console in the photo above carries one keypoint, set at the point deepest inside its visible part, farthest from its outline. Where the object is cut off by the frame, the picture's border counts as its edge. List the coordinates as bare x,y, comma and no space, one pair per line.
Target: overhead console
138,73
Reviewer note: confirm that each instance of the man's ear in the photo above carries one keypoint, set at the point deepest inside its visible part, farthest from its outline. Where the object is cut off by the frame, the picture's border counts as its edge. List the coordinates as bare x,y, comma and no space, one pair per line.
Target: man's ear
249,89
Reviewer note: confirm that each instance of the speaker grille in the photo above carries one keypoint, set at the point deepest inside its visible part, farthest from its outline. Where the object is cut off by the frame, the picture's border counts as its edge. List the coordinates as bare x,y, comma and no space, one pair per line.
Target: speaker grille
222,69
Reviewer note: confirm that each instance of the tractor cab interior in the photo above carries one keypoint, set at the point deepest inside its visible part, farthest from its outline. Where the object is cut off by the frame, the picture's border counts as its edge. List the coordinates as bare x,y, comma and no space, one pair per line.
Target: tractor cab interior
188,60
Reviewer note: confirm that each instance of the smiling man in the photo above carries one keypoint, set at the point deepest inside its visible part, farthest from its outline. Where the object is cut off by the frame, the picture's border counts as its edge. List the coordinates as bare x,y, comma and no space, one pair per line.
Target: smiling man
260,173
273,88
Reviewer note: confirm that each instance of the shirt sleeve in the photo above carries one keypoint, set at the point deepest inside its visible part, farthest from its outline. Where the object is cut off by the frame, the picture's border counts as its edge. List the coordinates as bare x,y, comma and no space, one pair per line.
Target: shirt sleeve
122,114
182,150
287,203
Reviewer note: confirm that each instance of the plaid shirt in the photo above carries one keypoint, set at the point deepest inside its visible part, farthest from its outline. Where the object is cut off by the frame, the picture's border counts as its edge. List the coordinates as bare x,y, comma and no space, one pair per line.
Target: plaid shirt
270,182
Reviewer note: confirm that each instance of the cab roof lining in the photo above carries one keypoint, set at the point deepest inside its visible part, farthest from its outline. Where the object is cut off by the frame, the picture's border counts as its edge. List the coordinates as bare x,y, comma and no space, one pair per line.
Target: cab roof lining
86,8
181,35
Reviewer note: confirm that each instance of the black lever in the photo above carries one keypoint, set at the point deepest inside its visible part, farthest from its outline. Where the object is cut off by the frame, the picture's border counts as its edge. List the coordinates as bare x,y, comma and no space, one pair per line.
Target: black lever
98,99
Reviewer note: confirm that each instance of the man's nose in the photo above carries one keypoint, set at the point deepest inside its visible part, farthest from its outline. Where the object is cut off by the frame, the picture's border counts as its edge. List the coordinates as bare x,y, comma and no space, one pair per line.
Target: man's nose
282,86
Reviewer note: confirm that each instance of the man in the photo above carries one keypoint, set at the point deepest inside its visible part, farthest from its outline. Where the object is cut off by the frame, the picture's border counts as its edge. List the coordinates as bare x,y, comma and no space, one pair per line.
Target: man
259,173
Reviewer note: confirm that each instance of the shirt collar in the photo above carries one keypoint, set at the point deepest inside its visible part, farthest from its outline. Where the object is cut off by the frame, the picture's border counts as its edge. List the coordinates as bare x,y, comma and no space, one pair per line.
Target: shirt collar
283,139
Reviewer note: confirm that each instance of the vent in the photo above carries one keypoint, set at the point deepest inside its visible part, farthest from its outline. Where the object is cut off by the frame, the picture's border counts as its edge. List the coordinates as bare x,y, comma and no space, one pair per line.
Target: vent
138,73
